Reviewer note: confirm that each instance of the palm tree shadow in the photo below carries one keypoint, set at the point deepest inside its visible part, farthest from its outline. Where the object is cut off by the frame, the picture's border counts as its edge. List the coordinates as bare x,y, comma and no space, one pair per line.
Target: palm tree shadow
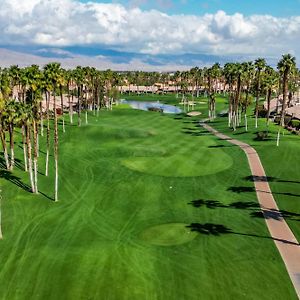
7,175
268,179
245,189
18,163
256,211
219,229
212,204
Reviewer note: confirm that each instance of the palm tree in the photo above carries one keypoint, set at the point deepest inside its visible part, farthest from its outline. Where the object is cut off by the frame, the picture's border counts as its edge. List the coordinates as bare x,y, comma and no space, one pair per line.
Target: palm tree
10,119
247,77
212,74
28,120
52,73
260,64
270,81
4,96
35,82
61,84
79,78
285,66
229,74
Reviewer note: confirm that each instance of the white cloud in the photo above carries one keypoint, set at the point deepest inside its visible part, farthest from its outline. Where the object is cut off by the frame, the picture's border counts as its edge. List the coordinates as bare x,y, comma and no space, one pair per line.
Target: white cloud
58,23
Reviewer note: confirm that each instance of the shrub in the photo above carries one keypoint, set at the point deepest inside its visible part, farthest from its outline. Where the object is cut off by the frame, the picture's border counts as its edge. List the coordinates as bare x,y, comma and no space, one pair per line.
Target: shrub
157,109
262,112
295,124
262,135
287,119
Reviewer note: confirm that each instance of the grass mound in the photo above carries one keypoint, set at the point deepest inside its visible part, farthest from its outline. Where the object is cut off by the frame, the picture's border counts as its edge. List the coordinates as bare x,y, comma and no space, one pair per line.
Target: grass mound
168,234
203,163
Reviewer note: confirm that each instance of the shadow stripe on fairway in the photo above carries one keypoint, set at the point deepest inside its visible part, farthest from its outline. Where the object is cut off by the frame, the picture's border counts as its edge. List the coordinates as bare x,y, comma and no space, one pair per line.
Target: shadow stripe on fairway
283,237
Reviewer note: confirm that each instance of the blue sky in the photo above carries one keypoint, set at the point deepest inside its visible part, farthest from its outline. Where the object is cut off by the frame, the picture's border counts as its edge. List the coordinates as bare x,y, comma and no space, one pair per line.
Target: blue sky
278,8
162,34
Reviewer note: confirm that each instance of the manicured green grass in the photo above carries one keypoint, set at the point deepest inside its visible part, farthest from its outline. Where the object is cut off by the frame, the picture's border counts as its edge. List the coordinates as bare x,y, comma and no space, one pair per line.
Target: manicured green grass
130,182
282,164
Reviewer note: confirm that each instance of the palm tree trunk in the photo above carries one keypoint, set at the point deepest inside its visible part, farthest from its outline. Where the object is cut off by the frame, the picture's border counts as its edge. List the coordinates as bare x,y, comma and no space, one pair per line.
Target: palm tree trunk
55,150
35,156
257,99
278,137
48,134
3,141
42,119
62,107
29,150
269,105
24,148
69,100
79,105
12,150
71,110
246,122
285,90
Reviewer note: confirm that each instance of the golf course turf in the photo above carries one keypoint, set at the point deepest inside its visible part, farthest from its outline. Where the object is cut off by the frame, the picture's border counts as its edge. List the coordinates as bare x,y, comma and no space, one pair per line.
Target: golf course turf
151,206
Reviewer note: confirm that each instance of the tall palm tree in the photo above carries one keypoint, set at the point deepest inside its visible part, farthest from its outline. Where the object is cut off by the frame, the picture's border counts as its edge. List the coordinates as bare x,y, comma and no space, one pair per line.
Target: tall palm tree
4,96
34,97
28,120
270,82
285,66
229,74
247,77
260,64
61,84
52,73
79,79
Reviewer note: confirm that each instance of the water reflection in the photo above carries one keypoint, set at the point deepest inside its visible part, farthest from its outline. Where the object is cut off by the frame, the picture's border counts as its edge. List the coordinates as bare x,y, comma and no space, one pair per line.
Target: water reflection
167,109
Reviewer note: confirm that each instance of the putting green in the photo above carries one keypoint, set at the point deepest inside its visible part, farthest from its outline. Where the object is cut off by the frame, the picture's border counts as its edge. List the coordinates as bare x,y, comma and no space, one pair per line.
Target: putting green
168,234
204,163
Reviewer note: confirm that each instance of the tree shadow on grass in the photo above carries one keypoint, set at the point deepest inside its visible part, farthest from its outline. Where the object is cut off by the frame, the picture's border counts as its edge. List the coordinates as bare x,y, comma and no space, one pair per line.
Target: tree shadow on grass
15,180
219,229
195,133
267,179
245,189
212,204
221,146
18,163
241,189
240,133
275,215
7,175
256,211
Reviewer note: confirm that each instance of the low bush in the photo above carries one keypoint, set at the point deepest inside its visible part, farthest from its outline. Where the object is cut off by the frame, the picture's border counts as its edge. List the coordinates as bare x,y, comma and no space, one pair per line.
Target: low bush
295,124
157,109
262,135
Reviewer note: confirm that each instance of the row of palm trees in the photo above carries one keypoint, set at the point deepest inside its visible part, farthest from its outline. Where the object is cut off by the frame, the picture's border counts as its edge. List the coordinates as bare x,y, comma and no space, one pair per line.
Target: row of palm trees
32,99
22,92
242,81
31,96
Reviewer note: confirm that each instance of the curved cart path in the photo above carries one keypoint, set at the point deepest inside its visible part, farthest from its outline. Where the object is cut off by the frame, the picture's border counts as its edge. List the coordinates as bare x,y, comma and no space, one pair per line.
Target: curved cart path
282,235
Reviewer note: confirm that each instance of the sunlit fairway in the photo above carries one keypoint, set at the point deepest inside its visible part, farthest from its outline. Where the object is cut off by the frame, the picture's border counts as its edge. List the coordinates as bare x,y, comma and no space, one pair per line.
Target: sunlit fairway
131,184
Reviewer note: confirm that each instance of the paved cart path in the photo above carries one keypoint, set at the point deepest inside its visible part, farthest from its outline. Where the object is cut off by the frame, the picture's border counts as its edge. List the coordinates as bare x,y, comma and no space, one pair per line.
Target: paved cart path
281,233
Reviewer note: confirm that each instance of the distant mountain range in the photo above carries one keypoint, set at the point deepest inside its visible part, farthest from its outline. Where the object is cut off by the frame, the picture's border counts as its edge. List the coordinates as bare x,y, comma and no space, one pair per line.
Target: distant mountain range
102,59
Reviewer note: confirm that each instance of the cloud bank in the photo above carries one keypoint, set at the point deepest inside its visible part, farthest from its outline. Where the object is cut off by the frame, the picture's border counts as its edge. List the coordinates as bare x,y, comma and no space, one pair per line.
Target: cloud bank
61,23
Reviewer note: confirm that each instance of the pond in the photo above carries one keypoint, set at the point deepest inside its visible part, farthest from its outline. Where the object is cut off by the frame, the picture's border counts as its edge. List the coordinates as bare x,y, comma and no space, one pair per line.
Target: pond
146,105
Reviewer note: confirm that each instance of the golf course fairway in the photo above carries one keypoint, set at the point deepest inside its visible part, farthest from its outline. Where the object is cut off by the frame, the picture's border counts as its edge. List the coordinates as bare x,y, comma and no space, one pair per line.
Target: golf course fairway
131,184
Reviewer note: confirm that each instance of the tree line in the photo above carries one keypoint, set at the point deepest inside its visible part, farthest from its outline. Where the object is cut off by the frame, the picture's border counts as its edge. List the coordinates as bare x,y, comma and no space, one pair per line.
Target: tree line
34,99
